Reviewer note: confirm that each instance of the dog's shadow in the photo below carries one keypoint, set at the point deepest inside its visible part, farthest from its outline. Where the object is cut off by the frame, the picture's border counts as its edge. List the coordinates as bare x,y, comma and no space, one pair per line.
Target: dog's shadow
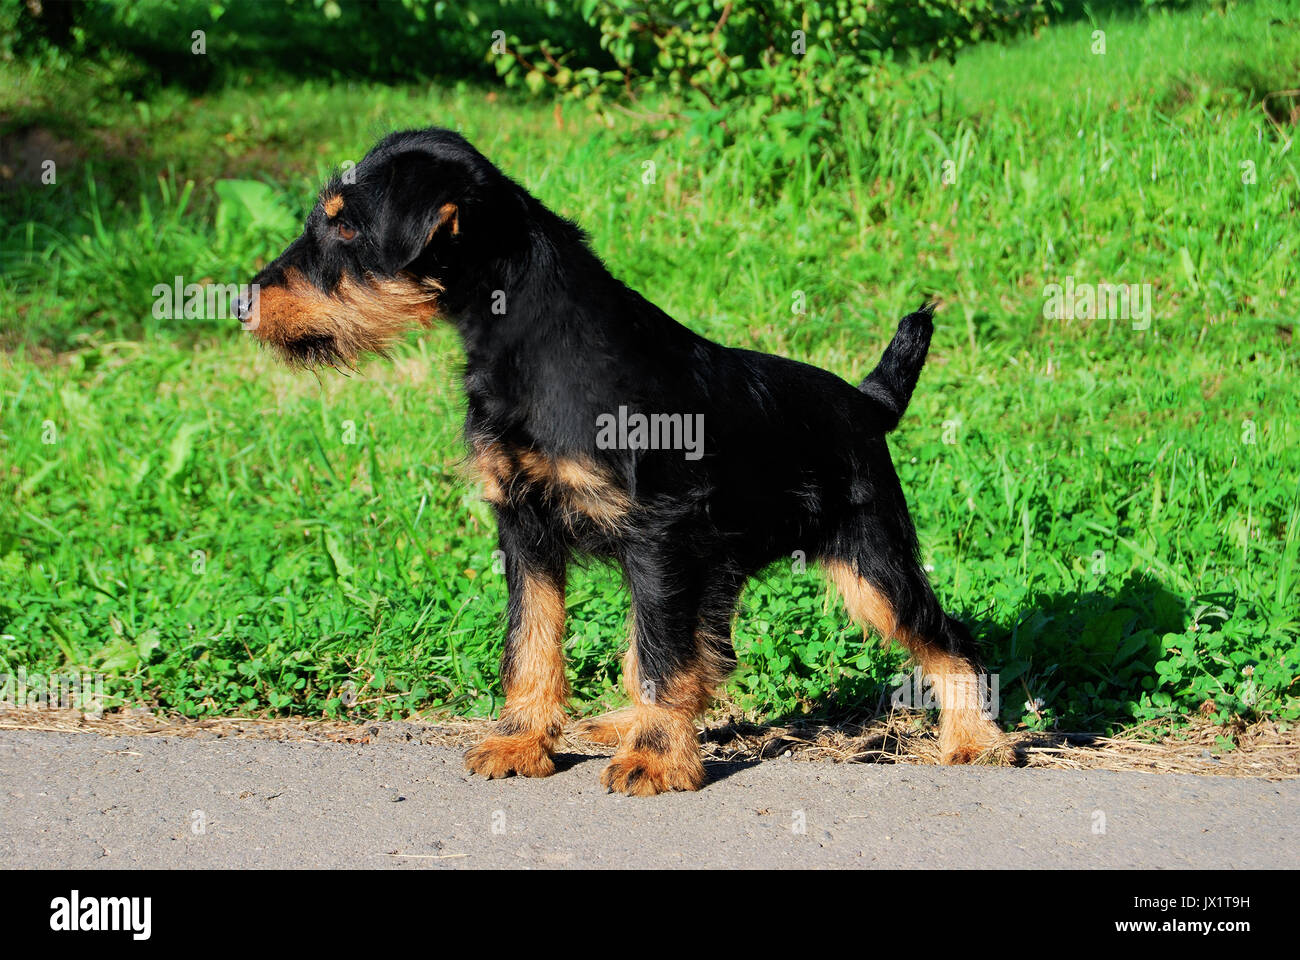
715,770
1067,667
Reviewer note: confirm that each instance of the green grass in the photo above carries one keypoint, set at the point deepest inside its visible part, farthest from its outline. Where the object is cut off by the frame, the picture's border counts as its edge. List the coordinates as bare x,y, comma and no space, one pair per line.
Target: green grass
1115,511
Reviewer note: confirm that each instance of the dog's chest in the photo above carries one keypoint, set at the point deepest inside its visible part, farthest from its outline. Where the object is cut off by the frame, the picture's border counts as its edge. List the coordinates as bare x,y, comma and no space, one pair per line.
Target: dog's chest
583,493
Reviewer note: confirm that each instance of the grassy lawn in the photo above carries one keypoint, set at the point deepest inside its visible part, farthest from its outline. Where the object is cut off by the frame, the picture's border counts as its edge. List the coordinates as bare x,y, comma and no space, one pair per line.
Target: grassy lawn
1115,510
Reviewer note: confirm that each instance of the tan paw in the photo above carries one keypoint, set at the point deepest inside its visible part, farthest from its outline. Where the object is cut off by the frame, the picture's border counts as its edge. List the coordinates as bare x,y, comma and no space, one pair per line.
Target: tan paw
643,773
608,729
970,754
525,754
974,739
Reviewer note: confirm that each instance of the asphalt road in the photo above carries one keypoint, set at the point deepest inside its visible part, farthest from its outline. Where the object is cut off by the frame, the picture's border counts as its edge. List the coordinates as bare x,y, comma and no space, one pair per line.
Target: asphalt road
84,800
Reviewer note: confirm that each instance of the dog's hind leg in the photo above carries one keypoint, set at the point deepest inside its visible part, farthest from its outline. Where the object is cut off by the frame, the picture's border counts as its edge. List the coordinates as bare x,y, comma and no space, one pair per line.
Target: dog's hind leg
884,587
532,666
681,650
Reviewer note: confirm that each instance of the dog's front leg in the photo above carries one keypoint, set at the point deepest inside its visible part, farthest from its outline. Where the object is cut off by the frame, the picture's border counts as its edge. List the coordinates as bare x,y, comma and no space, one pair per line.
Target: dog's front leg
681,650
532,666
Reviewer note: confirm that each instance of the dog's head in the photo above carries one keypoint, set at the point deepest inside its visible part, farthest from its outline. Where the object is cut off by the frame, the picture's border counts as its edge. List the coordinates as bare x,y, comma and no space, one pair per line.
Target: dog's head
375,250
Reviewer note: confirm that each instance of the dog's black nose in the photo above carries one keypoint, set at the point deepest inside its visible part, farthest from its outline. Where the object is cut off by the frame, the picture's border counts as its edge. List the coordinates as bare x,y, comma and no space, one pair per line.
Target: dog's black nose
243,308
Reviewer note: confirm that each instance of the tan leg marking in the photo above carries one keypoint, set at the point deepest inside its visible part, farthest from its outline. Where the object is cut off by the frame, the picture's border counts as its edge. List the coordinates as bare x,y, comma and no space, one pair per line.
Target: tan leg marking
965,732
537,691
661,753
608,729
612,729
658,749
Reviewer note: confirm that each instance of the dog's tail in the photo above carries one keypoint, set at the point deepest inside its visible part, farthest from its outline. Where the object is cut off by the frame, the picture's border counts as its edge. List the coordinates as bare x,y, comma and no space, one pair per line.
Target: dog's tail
894,378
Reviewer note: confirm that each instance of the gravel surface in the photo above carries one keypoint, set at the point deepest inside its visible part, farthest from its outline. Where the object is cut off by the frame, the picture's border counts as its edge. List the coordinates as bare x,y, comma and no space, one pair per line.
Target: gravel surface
85,800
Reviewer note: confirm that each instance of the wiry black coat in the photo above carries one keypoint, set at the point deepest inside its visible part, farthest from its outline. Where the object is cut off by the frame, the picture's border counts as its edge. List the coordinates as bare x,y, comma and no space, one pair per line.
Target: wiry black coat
793,459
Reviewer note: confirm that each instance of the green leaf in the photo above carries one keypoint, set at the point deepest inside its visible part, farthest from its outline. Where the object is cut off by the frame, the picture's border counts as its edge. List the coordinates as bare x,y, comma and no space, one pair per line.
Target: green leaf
250,206
339,562
179,450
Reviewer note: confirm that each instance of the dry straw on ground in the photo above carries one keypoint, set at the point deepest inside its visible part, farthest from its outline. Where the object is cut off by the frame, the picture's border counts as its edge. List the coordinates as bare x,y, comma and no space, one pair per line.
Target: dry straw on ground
1261,750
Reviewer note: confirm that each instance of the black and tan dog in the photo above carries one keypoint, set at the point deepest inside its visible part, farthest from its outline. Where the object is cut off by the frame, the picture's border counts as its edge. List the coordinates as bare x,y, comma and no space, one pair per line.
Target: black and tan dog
788,457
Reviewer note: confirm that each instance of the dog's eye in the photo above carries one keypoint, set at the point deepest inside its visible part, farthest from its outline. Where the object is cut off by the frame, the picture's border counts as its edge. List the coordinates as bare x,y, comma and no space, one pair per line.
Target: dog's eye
345,232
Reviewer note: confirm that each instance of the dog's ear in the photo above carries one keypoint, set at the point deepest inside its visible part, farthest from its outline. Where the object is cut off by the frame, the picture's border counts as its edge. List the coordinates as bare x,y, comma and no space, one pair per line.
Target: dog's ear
427,205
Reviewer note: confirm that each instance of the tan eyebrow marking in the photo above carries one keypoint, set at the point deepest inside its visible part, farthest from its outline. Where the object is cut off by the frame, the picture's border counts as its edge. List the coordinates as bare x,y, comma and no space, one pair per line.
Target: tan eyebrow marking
448,211
333,204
